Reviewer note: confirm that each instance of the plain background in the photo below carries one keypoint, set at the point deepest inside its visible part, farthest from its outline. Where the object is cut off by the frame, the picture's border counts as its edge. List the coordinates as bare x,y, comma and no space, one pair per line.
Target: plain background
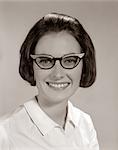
100,19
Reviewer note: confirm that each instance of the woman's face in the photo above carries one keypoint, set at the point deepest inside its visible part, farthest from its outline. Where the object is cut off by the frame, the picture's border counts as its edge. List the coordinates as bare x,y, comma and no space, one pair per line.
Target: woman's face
57,84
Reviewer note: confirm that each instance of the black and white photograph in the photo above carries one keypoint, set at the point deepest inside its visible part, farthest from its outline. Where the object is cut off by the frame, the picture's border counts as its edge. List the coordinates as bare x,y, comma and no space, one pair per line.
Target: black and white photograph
58,75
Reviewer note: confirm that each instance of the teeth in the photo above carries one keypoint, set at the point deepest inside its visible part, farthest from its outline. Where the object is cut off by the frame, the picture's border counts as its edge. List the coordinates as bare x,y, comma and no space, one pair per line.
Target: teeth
58,85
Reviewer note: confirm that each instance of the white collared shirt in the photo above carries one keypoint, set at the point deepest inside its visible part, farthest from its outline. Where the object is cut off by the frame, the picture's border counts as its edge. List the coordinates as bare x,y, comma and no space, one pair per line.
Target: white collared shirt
29,128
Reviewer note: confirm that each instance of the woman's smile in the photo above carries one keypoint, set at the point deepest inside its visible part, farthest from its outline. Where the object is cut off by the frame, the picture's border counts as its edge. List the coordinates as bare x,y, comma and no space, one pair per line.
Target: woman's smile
58,85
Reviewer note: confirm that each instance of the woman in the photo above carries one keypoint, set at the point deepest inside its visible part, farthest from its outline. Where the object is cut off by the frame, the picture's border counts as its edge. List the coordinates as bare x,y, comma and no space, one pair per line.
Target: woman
57,57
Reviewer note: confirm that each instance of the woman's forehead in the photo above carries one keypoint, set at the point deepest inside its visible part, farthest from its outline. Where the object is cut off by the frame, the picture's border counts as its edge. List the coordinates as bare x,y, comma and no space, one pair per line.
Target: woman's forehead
57,43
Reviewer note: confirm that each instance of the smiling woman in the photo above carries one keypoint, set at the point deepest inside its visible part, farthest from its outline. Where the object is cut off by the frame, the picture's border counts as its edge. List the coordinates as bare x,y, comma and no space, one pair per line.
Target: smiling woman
57,57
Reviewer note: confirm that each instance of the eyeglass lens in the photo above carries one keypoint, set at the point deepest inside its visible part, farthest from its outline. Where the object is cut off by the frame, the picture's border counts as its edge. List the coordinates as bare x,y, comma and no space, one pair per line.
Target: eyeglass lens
44,62
70,62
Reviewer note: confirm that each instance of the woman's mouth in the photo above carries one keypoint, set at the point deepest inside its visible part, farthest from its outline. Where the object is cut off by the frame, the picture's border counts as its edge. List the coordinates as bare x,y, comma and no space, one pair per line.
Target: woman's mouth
60,85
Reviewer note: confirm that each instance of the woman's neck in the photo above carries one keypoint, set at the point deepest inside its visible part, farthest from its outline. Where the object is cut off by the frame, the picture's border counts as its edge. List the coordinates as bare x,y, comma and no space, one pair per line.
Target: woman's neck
56,111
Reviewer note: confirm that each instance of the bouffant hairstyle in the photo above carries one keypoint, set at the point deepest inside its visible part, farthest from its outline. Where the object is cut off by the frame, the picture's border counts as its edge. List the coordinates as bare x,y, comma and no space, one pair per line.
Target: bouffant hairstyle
55,22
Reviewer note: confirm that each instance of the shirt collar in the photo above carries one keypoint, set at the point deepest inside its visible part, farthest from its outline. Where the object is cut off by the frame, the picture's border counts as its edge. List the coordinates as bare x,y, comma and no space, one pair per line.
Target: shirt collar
73,114
41,119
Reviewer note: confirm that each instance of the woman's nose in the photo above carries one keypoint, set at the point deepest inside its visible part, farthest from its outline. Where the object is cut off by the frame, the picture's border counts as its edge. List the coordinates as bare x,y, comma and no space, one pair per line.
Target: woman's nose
57,72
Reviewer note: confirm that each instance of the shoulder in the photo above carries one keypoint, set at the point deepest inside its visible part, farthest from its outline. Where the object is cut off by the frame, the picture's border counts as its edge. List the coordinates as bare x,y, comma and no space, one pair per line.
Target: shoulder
85,127
7,125
9,121
83,115
82,118
8,117
4,142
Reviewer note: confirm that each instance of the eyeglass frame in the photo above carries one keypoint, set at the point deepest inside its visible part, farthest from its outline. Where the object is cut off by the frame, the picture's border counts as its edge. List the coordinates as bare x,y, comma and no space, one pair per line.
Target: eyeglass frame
35,56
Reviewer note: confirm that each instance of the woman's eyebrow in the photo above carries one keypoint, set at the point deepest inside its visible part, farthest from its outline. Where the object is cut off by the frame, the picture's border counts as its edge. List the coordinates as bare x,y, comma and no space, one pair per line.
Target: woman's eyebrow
44,54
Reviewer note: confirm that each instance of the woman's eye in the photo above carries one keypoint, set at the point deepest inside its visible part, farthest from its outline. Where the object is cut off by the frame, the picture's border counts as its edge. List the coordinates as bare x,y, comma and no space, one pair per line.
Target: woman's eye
44,61
70,60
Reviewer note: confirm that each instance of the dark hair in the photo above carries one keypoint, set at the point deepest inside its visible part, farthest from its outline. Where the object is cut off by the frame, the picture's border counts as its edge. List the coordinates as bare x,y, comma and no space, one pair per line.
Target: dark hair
55,22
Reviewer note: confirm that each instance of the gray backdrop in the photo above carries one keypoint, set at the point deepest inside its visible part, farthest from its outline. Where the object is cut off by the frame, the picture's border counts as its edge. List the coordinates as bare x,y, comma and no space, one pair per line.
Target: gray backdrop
100,19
